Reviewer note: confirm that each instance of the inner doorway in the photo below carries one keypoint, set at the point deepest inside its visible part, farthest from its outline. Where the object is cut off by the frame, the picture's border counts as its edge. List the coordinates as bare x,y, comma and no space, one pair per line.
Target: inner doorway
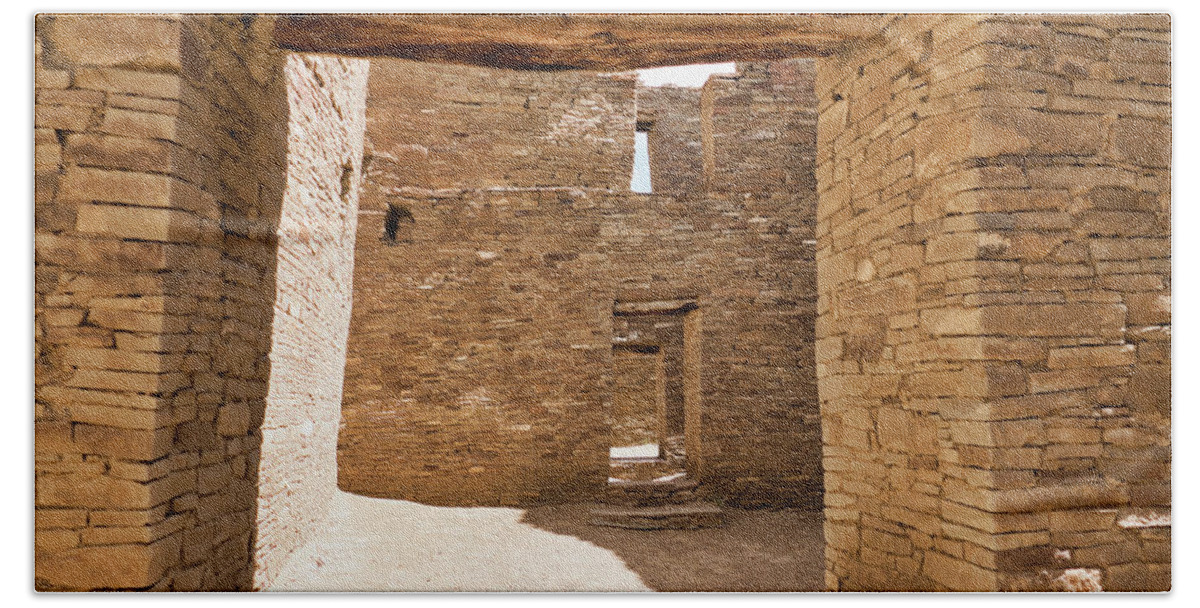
650,392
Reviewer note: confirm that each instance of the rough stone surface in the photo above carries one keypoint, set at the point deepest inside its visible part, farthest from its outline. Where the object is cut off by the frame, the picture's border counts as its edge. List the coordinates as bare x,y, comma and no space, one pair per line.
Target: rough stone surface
524,275
991,246
298,463
990,322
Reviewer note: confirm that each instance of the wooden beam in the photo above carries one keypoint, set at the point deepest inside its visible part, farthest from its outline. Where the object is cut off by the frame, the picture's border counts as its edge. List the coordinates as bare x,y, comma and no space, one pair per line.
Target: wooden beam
599,42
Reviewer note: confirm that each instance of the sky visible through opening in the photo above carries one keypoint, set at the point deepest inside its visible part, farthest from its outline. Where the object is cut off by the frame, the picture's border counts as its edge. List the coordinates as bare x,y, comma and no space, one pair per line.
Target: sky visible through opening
692,76
641,163
683,75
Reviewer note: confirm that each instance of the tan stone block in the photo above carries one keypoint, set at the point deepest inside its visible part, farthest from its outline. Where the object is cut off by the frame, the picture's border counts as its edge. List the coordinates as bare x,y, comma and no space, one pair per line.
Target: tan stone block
131,418
116,359
65,397
60,518
1074,320
1011,433
67,118
1074,435
1063,380
953,246
169,107
129,123
234,420
1150,389
47,157
71,97
133,444
952,321
125,153
110,567
51,79
138,223
90,491
114,535
86,185
1083,519
1153,308
136,382
142,41
957,574
1028,131
133,320
115,80
50,541
1143,142
1092,356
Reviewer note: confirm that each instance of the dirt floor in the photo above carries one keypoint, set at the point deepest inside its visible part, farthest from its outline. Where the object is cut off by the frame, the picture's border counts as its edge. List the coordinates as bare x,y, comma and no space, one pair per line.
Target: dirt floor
376,544
756,550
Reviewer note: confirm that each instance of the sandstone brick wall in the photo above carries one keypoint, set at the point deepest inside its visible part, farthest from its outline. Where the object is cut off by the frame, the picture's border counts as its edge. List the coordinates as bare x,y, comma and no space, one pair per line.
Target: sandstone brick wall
480,352
664,331
298,464
162,160
452,126
758,128
1077,218
973,355
474,267
749,265
430,392
674,140
635,414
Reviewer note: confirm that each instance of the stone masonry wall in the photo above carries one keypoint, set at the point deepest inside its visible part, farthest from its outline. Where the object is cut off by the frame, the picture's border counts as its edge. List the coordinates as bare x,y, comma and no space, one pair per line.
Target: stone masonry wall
298,466
674,140
635,401
480,352
451,126
109,169
974,343
490,282
160,162
413,385
1077,214
748,264
758,128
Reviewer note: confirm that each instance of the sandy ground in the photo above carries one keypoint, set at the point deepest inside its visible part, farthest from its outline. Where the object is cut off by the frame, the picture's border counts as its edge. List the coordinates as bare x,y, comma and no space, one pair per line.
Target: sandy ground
756,551
375,544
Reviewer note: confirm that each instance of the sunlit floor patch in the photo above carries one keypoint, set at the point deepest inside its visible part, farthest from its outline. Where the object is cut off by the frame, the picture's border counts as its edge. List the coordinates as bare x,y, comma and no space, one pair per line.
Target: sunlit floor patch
376,544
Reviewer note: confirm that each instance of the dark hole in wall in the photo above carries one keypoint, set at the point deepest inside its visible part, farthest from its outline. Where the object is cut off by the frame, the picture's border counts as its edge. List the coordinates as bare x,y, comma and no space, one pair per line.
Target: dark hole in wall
391,223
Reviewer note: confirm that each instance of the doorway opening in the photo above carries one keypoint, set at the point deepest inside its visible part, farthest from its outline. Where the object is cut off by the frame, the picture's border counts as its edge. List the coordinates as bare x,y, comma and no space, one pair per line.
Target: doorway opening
650,392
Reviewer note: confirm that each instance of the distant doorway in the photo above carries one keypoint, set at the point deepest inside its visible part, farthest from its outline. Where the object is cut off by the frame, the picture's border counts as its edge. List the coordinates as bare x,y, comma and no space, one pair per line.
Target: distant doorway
651,390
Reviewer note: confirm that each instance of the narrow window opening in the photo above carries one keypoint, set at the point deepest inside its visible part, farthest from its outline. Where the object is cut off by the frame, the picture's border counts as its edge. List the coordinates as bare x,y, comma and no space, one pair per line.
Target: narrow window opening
391,223
641,159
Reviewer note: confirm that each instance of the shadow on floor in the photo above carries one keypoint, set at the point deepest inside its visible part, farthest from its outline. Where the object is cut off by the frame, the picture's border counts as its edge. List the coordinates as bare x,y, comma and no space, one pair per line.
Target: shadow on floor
755,551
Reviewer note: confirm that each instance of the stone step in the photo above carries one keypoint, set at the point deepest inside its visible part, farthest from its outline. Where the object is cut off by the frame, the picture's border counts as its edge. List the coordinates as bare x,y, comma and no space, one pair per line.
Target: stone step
649,493
641,469
687,516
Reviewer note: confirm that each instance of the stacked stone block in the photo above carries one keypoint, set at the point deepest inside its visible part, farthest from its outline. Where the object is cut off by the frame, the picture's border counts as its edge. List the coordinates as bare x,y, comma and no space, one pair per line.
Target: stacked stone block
972,352
448,126
418,355
758,126
158,136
